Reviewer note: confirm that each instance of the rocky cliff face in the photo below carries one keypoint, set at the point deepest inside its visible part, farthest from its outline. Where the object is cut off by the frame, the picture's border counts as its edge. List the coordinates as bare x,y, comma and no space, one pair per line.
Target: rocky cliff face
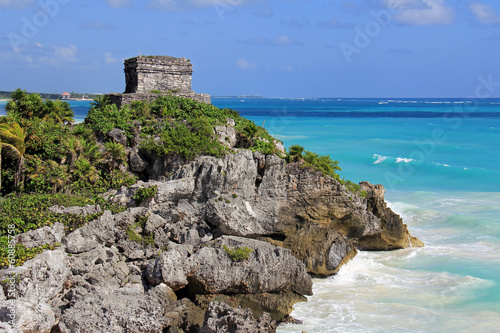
252,195
167,263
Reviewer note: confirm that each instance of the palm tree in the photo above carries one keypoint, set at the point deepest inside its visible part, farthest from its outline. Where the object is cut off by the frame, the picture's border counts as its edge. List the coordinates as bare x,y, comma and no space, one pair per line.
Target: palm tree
59,112
116,152
85,171
100,102
74,148
57,175
13,137
295,153
10,150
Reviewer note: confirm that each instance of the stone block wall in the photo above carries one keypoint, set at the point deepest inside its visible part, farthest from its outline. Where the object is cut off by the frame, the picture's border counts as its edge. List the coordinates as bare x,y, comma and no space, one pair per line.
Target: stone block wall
123,99
145,74
166,75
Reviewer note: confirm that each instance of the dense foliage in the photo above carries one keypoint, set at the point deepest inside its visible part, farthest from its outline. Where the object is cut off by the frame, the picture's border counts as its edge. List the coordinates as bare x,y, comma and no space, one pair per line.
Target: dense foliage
322,163
30,211
42,152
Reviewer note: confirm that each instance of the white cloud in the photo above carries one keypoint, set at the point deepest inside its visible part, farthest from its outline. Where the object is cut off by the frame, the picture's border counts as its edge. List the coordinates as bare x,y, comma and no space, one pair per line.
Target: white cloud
15,4
245,65
422,12
335,24
285,40
294,23
65,53
118,3
484,13
38,55
108,57
288,69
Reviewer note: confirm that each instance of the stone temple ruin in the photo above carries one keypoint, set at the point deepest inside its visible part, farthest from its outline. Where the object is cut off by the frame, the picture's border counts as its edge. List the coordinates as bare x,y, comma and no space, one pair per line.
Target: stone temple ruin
148,77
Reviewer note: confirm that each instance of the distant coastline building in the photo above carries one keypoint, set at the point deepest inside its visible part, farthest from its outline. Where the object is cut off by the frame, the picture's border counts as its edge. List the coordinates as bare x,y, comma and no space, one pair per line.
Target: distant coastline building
65,95
147,77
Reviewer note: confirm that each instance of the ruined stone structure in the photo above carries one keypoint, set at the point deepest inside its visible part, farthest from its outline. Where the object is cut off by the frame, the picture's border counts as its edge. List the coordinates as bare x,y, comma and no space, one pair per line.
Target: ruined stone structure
148,77
161,73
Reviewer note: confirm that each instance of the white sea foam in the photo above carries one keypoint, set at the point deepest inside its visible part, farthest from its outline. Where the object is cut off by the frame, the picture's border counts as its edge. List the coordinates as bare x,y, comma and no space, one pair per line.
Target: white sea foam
405,160
379,158
372,294
441,164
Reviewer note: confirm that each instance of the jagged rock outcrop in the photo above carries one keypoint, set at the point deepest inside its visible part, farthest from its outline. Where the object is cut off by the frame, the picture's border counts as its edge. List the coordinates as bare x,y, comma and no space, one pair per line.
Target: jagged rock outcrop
395,234
36,284
125,272
123,310
221,318
252,195
86,210
46,235
268,269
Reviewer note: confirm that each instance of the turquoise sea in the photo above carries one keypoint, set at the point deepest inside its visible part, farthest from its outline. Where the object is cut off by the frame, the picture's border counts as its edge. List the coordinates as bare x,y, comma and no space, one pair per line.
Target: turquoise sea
439,160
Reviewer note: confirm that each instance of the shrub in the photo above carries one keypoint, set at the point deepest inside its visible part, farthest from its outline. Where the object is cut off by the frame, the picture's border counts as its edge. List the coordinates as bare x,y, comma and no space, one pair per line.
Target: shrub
322,163
30,211
144,193
138,237
354,188
238,254
186,139
103,117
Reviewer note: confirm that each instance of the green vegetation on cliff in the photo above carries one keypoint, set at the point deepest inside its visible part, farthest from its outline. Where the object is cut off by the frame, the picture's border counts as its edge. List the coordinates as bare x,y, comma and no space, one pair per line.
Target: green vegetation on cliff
42,152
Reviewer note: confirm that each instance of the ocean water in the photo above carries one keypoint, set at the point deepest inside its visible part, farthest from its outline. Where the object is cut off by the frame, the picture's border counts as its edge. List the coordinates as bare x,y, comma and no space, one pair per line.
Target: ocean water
439,160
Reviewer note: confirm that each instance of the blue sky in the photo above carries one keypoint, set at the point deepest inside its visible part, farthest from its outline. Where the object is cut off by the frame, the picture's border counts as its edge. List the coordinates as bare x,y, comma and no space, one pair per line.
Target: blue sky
282,48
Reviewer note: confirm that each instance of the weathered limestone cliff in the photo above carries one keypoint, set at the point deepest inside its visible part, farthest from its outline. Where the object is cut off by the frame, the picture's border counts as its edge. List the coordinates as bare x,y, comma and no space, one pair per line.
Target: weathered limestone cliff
164,266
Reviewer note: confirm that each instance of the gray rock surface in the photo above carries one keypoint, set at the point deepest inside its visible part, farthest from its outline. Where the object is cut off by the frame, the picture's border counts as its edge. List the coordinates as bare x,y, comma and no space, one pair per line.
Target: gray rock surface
29,317
221,318
136,162
119,272
118,135
169,268
86,210
253,195
41,278
45,235
267,269
227,134
124,310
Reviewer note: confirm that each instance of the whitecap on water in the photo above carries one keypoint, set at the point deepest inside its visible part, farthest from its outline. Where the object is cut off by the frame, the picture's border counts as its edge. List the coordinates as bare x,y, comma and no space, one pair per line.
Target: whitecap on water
379,158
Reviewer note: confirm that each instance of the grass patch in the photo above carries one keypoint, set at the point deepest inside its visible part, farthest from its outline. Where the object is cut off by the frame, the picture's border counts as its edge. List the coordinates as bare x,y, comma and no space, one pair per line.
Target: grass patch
140,237
238,254
144,193
22,253
30,211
